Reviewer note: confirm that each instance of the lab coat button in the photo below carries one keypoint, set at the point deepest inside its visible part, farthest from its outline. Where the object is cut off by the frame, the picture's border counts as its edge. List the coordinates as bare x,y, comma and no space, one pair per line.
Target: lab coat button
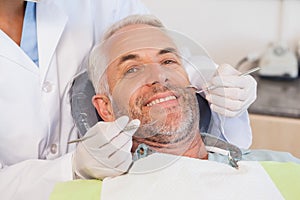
47,87
53,148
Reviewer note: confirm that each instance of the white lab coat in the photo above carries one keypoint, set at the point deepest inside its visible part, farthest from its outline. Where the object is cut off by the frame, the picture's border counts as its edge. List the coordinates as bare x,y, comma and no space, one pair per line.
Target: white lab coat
36,99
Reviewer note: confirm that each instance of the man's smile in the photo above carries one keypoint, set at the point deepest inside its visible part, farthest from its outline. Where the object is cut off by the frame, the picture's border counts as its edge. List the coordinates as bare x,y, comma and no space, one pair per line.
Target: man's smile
163,99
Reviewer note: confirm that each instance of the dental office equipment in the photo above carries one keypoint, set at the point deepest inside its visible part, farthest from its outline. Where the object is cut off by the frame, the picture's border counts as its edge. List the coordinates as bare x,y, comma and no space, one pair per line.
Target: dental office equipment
278,60
214,87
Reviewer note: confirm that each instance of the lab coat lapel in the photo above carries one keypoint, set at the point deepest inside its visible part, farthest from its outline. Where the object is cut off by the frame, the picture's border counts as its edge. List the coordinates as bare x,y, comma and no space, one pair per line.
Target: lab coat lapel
11,51
51,21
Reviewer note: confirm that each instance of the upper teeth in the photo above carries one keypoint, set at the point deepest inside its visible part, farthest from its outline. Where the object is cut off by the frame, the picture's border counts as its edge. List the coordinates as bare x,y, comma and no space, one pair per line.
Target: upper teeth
161,100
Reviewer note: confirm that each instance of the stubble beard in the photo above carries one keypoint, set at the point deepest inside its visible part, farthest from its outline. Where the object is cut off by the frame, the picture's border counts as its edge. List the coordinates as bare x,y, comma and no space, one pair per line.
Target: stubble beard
176,125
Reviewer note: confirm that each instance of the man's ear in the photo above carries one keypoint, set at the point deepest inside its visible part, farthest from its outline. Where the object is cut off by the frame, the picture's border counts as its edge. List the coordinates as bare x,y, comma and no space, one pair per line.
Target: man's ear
103,106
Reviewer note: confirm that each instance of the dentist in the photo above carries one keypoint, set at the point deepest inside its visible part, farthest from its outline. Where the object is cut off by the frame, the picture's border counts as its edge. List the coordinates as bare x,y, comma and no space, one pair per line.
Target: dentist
42,46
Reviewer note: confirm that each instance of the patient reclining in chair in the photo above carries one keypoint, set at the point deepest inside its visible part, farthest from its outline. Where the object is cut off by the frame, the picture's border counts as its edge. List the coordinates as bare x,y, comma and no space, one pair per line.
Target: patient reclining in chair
142,88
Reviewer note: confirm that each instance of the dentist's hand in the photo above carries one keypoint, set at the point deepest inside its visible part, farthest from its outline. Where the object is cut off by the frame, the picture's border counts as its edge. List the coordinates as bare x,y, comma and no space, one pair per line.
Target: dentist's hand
106,151
234,93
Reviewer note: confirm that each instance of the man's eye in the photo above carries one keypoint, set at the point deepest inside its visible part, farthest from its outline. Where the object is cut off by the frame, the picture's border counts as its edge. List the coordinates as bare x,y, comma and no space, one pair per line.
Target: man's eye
133,70
169,61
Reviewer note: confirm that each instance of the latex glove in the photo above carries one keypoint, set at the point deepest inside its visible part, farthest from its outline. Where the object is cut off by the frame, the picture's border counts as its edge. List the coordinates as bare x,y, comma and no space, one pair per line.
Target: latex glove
234,93
106,151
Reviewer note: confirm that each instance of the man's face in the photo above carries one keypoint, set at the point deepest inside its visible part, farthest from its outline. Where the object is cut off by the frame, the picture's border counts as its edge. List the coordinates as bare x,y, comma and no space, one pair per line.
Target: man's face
148,82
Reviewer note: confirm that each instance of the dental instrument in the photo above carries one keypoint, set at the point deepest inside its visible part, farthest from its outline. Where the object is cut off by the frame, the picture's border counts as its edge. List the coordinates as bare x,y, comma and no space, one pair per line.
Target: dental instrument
127,128
214,87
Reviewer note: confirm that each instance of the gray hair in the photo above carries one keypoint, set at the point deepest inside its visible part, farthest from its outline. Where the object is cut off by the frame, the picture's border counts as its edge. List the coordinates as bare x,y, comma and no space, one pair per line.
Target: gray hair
98,61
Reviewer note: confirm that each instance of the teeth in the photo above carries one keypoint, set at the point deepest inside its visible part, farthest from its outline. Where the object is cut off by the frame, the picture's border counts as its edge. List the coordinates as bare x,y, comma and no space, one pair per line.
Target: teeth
161,100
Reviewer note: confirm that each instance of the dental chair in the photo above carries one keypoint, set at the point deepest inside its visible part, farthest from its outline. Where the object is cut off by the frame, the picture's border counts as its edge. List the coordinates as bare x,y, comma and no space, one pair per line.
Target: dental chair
201,179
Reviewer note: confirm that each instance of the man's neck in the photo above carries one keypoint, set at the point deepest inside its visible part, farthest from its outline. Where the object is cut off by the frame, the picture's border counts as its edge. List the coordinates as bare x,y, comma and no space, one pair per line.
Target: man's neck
192,147
197,149
11,18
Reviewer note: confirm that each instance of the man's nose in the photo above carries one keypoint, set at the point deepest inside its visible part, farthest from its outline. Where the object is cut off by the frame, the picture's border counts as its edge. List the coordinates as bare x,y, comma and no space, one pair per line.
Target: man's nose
155,73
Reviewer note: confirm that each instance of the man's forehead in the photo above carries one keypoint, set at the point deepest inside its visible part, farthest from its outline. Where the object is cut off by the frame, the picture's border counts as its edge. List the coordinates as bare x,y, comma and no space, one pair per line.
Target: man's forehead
137,37
132,27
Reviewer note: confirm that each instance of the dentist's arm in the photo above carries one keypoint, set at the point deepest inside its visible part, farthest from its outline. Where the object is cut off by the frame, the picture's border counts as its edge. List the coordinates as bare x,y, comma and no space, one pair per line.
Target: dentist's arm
229,103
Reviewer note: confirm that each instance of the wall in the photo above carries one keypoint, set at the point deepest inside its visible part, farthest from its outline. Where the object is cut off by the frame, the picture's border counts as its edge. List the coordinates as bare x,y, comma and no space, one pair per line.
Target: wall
231,29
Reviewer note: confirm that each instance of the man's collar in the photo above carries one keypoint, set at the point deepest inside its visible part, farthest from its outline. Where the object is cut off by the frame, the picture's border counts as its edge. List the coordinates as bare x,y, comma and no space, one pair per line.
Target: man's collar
213,145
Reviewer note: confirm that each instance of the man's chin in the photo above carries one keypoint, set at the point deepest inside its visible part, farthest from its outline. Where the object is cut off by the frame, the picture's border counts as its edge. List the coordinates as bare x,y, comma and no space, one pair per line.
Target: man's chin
170,122
160,113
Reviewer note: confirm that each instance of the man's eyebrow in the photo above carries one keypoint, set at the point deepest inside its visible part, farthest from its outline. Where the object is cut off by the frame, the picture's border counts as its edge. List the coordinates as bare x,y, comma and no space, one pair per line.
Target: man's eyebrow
167,50
135,56
128,57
